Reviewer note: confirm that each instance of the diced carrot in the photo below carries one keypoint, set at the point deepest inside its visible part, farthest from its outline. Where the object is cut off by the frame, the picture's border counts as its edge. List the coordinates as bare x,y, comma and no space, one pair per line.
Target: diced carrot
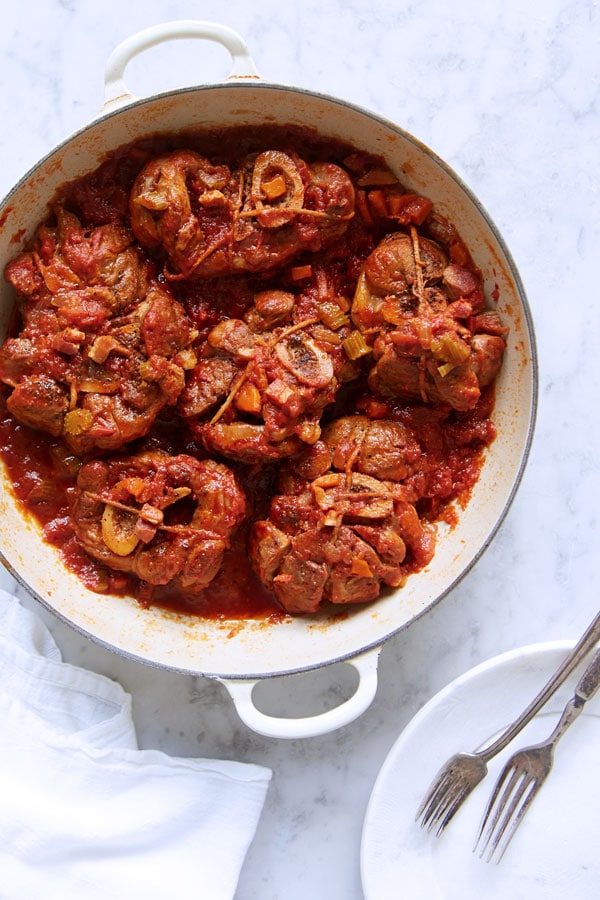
298,273
376,409
361,568
409,208
248,398
274,188
377,203
363,208
459,254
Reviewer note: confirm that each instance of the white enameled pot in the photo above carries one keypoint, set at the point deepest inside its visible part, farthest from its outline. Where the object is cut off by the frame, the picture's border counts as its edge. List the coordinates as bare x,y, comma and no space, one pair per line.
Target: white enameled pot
241,654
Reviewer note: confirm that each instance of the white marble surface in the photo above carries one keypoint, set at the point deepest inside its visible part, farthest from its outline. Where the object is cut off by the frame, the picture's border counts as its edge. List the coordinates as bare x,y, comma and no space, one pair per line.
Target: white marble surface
508,94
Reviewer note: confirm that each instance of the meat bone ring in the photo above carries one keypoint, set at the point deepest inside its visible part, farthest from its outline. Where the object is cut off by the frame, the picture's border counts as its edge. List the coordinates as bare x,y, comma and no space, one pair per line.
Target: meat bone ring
464,771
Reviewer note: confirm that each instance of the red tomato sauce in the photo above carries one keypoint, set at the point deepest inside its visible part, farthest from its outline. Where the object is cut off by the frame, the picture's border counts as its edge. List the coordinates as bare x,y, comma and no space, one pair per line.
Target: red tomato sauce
44,471
43,479
44,476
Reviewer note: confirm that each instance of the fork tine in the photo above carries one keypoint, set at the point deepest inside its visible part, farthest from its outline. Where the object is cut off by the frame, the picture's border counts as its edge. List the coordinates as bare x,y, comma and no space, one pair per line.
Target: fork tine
432,797
501,809
443,802
439,796
441,815
493,810
533,786
453,804
431,813
452,785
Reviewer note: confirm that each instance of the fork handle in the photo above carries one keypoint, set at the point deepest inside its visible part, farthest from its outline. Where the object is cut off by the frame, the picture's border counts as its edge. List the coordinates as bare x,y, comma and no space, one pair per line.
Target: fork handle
585,689
585,644
589,682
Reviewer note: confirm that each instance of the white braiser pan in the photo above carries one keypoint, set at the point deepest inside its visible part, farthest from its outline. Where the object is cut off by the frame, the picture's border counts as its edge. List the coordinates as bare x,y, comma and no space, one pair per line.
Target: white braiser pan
242,653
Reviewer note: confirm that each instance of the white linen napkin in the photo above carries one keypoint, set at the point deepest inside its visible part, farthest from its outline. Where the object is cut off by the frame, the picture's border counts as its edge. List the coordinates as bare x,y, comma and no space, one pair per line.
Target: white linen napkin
83,812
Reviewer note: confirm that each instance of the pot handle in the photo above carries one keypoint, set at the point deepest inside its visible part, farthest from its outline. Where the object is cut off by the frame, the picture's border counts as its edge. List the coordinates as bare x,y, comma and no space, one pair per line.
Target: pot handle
308,726
116,93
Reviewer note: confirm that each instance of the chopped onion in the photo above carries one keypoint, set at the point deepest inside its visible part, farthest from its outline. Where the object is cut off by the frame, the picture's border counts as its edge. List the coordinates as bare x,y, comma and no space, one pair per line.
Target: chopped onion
103,346
95,386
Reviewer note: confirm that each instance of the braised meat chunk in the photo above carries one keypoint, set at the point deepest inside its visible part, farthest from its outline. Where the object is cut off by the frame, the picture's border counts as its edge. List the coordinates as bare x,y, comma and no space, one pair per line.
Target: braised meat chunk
429,343
260,387
167,519
212,220
341,527
341,538
103,346
376,447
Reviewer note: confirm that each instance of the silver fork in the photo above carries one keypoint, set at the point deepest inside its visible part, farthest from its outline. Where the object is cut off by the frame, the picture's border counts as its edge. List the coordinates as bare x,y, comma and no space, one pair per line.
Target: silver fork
526,771
464,771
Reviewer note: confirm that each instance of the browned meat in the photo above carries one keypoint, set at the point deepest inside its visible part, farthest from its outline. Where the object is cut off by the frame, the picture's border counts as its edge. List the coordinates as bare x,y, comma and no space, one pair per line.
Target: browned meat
270,309
39,402
486,355
245,442
460,282
258,396
166,519
341,526
339,539
430,344
377,447
391,268
15,357
102,348
208,383
212,220
411,374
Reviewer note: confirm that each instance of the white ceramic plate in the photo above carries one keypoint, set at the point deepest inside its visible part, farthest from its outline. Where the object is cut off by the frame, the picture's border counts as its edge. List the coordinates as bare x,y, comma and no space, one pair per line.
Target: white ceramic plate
554,854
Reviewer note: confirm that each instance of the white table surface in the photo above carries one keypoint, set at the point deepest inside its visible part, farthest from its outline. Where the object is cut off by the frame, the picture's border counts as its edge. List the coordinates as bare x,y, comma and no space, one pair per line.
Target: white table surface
508,94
